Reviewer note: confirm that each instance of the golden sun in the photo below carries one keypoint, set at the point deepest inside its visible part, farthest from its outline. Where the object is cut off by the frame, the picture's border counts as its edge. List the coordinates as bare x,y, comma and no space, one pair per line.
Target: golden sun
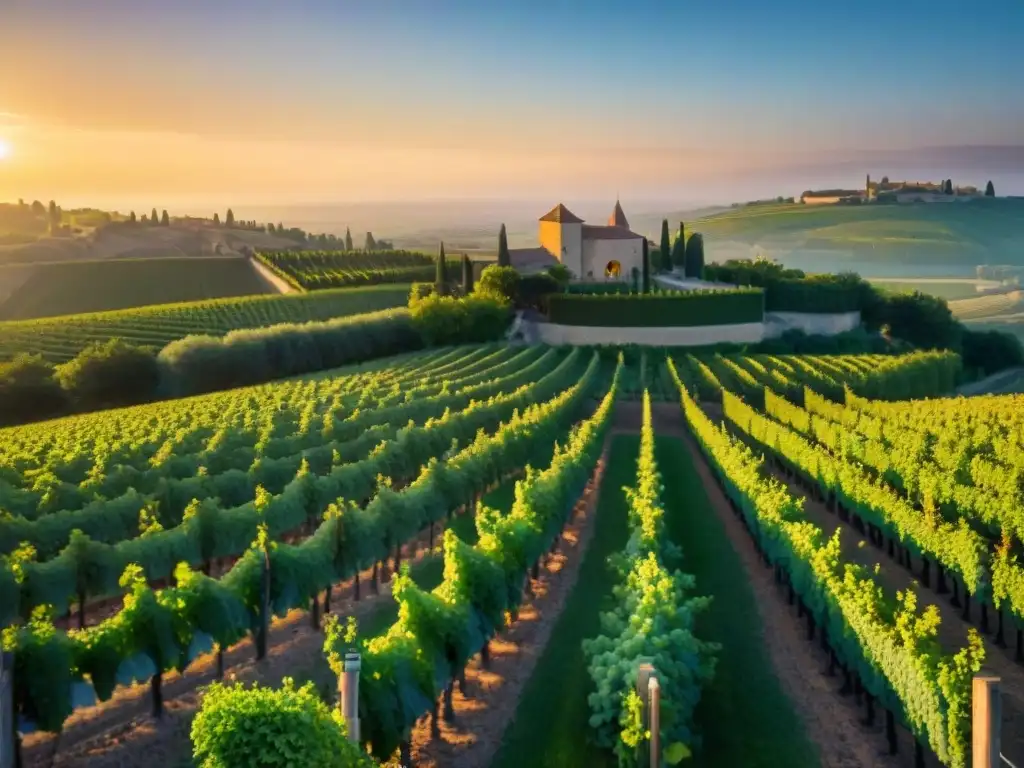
5,149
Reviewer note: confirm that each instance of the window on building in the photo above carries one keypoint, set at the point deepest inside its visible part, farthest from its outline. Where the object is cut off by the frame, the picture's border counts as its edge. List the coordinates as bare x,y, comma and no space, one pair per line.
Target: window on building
613,269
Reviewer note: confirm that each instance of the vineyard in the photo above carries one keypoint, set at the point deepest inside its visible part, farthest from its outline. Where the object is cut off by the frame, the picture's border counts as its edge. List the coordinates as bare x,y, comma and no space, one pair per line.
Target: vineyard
738,522
316,270
61,338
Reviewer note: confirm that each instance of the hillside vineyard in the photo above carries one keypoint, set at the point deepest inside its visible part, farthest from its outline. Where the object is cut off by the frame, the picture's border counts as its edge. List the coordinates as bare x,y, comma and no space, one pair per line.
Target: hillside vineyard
135,541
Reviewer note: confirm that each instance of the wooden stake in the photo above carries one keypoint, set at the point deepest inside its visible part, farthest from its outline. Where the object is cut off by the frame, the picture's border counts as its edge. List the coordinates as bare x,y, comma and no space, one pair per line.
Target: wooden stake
986,719
654,706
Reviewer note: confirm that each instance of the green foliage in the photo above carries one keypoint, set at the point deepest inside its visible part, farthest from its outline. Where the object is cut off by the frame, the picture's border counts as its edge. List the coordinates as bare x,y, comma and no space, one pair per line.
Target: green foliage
441,279
449,320
500,281
990,351
504,259
682,308
678,254
229,220
317,270
206,363
646,259
467,276
165,220
561,273
665,243
110,373
653,619
990,191
280,728
694,256
348,239
29,390
534,289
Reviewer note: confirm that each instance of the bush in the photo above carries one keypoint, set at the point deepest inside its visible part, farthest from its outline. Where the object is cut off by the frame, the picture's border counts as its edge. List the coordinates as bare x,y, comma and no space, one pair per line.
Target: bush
267,728
668,309
991,351
923,320
206,363
499,281
534,290
29,390
443,320
111,373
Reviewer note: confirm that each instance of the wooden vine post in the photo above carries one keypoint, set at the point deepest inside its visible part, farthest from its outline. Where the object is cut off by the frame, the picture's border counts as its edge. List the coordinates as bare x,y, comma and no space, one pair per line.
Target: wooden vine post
986,718
644,676
348,694
9,737
654,719
263,632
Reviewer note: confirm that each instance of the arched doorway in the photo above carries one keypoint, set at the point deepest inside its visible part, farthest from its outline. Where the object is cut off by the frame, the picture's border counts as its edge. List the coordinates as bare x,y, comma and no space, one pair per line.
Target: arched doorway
613,269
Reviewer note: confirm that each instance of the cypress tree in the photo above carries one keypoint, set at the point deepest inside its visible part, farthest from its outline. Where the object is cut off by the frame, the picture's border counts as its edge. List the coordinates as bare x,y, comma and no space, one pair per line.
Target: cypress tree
664,241
348,239
229,220
949,187
695,256
441,281
504,259
646,268
679,249
270,228
990,191
370,244
467,275
216,219
132,218
153,218
165,220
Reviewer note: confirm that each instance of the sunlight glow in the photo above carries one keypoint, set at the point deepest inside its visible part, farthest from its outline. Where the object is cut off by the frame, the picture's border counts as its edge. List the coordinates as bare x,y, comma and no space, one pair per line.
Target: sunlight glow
5,149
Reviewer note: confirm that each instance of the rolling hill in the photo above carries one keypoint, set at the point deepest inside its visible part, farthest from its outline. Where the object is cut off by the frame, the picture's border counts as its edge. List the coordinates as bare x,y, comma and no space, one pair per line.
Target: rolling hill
900,239
71,287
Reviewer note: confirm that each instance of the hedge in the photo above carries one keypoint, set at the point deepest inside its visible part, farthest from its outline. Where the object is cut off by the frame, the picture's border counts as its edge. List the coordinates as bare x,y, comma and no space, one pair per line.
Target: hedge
812,295
679,308
599,288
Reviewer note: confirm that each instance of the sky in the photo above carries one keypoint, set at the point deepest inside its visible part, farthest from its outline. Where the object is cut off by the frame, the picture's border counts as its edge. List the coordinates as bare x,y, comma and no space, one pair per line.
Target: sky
133,103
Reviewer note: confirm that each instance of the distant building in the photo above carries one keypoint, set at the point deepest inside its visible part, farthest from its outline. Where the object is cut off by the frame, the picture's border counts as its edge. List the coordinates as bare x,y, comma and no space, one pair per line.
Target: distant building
832,196
591,252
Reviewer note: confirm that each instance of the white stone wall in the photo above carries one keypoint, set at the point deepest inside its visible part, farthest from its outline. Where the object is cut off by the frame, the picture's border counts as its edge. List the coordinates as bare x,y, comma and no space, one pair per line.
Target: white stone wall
597,254
777,323
690,336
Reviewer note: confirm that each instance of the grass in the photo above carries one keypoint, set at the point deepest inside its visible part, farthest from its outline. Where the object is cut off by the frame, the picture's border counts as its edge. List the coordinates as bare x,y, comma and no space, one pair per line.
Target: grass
961,232
744,716
61,338
551,722
94,286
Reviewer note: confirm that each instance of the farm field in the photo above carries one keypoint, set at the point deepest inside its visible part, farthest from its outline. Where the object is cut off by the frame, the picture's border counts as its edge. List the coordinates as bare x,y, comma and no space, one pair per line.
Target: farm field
61,338
948,288
316,270
63,288
977,232
142,543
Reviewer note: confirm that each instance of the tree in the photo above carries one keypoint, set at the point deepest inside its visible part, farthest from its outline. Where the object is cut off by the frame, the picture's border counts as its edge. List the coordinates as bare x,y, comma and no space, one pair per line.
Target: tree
467,275
28,390
948,189
646,268
229,220
665,245
441,281
504,258
38,209
165,220
677,259
990,191
216,219
132,218
270,228
499,281
371,244
348,239
695,256
54,216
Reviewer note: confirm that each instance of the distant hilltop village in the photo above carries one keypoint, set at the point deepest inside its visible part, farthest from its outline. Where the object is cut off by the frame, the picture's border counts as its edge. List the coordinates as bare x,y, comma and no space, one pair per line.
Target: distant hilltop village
886,191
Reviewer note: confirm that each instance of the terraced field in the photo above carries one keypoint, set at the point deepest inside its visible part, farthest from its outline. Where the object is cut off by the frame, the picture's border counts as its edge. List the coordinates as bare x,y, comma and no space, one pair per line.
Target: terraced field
61,338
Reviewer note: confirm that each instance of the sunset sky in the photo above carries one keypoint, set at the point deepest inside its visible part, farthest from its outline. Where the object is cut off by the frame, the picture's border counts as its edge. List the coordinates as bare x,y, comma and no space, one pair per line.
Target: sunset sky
181,102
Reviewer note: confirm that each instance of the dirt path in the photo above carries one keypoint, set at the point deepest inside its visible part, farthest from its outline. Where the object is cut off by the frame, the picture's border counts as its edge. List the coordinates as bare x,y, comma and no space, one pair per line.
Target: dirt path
489,701
832,722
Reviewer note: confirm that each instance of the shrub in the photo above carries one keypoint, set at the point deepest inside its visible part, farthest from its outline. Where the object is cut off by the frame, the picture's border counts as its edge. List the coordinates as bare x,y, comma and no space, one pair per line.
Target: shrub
499,281
110,373
665,309
206,363
29,390
442,320
991,351
267,728
923,320
534,289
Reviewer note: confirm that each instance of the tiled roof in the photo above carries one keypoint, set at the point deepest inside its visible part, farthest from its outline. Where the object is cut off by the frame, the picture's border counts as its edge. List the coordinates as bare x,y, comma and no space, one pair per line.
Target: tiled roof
593,232
562,215
530,258
618,217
